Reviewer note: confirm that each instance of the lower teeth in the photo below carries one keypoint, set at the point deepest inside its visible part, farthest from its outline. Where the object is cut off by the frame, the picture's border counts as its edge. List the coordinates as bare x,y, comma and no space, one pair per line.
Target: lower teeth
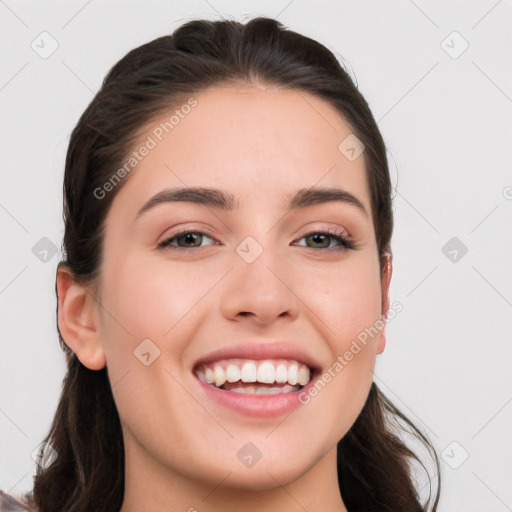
262,390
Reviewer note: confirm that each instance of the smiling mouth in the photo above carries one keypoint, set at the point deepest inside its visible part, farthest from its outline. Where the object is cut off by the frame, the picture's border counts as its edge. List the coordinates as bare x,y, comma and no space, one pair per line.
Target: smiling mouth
259,377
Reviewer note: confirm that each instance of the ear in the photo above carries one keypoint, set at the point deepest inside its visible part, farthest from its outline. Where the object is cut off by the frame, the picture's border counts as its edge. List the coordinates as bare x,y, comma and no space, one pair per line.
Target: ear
387,271
78,320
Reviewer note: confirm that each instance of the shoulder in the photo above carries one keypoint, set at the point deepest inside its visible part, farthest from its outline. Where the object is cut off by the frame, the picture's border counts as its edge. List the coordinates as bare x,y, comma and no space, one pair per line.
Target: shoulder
10,504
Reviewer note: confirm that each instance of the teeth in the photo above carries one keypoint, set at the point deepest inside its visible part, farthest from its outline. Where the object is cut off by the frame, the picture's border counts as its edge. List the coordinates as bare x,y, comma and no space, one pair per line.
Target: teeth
303,375
233,373
266,373
281,373
248,372
208,376
255,390
291,375
219,375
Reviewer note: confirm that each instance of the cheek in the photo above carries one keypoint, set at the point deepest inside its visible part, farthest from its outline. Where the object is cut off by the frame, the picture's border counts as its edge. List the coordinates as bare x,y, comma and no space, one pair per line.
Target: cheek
348,304
150,315
151,300
347,301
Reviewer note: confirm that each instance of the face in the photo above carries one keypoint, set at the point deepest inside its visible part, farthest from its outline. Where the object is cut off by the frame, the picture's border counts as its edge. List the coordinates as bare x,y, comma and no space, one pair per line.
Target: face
260,281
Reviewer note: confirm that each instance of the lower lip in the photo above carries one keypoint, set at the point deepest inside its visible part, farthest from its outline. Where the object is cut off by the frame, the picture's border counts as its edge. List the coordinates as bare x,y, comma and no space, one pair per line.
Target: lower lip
256,406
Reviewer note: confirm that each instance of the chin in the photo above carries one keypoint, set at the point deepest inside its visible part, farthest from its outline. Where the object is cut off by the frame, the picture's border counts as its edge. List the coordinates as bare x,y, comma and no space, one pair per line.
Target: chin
267,473
264,477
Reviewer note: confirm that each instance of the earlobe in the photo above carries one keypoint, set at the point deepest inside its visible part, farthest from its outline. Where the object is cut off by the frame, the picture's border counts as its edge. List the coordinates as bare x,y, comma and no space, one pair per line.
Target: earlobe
78,320
385,282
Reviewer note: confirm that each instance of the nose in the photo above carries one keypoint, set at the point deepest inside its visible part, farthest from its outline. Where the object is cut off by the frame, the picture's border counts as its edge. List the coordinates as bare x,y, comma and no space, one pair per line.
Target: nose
260,292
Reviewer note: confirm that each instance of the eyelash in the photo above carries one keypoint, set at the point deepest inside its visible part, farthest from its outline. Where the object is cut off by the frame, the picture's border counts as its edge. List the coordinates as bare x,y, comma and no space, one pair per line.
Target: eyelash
344,241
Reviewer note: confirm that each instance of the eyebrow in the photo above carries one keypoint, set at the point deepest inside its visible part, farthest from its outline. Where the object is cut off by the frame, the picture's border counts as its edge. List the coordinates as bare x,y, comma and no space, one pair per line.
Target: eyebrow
223,200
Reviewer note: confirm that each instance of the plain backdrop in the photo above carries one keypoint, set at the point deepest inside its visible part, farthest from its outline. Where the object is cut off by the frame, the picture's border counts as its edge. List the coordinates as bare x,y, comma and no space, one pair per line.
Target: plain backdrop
438,78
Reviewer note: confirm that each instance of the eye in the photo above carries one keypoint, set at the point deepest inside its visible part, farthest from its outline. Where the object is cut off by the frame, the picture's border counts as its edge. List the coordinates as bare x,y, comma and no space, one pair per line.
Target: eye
185,240
322,240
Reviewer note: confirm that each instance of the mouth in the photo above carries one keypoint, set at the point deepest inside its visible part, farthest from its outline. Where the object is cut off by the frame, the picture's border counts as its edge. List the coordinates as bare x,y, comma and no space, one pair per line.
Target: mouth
256,380
255,377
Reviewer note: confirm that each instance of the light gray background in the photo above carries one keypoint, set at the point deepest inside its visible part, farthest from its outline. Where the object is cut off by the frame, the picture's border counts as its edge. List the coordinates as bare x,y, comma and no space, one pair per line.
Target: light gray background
447,124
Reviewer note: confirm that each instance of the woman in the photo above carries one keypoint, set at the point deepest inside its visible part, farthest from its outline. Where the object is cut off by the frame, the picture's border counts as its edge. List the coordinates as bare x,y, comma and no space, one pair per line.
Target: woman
225,287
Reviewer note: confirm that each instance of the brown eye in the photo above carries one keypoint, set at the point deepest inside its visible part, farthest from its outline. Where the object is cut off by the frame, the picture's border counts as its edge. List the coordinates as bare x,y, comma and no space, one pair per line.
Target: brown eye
185,240
319,240
322,240
190,239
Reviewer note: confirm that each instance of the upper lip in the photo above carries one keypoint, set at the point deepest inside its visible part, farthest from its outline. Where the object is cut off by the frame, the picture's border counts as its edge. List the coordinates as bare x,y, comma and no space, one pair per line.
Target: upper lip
260,351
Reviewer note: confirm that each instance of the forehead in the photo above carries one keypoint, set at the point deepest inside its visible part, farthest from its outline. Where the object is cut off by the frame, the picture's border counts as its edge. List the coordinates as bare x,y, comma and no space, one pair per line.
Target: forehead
258,142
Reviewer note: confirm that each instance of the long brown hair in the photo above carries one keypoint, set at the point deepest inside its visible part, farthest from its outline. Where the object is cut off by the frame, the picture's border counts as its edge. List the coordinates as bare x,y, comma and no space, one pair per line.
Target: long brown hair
374,463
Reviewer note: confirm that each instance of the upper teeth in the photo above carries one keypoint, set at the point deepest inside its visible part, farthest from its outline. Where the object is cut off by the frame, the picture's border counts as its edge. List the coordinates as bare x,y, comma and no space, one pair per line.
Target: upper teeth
265,372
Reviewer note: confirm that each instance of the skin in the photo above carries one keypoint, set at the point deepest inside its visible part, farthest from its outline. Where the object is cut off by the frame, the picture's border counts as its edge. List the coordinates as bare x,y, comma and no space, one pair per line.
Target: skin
261,144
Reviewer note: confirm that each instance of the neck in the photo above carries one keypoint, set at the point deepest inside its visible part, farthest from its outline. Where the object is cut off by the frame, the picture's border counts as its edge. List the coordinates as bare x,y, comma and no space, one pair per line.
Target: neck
150,486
